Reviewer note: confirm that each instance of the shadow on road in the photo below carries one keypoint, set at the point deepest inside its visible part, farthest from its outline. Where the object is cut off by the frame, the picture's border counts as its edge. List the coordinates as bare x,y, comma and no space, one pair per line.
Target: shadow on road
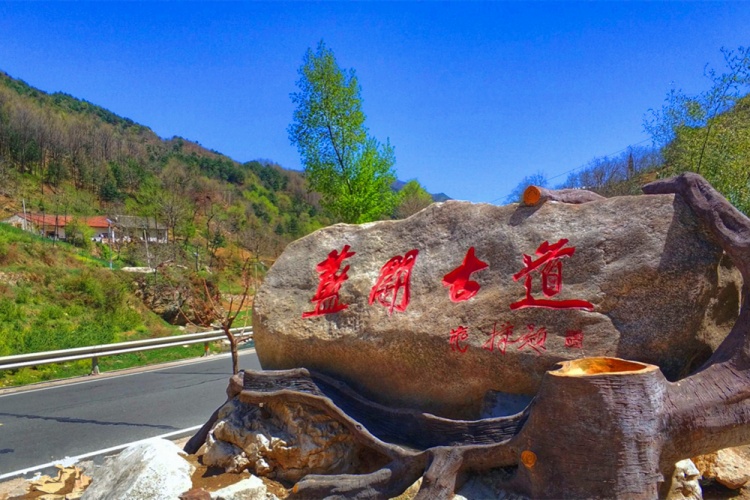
172,373
68,420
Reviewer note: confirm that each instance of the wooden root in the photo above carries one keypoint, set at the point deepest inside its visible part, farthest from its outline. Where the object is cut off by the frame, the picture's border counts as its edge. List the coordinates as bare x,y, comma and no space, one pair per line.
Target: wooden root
535,195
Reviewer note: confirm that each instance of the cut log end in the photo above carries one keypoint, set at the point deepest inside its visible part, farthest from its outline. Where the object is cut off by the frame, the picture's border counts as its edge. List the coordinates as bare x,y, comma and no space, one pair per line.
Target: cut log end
601,366
531,196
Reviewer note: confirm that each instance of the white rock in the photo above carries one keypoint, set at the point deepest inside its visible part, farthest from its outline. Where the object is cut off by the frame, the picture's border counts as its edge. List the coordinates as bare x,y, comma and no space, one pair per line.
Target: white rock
685,485
225,455
149,470
247,489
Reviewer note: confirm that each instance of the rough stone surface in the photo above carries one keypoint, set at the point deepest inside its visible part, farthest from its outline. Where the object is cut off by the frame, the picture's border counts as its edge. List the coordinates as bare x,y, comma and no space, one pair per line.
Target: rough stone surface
247,489
643,262
729,467
225,455
685,485
283,442
164,300
150,470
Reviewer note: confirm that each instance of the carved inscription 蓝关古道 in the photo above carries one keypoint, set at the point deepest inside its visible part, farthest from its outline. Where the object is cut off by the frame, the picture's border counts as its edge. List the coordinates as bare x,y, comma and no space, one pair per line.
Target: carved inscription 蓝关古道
392,291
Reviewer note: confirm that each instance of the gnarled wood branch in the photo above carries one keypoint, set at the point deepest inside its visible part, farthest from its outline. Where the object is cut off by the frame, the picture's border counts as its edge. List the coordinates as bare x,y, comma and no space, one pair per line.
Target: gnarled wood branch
535,195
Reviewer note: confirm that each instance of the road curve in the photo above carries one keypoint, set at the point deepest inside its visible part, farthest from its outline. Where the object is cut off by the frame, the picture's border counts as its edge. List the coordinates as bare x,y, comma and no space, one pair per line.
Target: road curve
40,426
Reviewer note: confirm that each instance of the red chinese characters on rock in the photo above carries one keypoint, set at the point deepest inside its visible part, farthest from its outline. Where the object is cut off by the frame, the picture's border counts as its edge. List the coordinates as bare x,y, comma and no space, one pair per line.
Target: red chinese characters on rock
458,336
394,279
535,339
549,267
331,278
501,338
461,287
574,339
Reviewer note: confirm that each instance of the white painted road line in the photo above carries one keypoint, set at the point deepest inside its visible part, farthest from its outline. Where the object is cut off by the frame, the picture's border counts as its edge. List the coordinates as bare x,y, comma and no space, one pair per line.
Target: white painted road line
68,461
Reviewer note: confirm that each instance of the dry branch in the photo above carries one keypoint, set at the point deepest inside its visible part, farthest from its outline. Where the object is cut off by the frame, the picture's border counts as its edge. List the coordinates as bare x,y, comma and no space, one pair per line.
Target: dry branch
535,195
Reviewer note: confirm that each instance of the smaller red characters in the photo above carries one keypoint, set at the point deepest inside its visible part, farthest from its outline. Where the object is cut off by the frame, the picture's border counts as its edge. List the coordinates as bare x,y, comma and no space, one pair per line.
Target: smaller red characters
461,287
331,278
502,337
394,277
459,335
574,339
535,339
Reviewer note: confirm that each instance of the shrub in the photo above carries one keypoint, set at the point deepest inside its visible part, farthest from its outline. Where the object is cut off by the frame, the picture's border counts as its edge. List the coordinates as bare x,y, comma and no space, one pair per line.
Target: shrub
79,234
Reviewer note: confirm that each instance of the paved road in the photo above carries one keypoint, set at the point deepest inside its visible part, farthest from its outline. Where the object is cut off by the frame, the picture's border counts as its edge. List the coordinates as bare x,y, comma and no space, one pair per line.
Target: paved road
44,425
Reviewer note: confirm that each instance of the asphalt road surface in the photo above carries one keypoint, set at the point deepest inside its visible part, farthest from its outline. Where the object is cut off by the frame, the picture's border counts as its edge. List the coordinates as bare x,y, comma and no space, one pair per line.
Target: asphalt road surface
41,426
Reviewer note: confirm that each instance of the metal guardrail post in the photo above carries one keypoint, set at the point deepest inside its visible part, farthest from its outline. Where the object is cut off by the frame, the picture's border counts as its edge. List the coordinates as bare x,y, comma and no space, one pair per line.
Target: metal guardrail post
95,366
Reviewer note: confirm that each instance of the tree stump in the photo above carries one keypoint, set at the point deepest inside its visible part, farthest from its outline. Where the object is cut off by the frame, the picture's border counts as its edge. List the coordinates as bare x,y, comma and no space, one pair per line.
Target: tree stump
597,428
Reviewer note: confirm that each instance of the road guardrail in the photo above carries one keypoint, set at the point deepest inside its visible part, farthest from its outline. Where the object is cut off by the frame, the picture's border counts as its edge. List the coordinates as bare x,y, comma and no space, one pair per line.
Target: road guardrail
96,351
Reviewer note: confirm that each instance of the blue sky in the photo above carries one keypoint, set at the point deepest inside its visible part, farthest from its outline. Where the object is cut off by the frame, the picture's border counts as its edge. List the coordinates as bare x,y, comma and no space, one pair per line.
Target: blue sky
472,95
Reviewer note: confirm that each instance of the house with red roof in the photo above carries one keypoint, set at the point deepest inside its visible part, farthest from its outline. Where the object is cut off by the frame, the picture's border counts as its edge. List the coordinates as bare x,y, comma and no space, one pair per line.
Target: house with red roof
53,225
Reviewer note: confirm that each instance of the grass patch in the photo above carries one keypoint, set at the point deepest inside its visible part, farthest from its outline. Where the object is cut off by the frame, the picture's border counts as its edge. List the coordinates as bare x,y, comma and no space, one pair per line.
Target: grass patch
57,296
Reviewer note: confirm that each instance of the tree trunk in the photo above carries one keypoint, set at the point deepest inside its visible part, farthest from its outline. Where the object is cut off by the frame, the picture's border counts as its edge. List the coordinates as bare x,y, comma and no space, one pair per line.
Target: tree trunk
598,427
235,354
594,430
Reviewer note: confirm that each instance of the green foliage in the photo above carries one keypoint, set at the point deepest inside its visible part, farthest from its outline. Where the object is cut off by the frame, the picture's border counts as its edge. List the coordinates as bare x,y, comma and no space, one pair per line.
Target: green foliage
411,199
83,160
709,133
271,176
96,163
79,234
351,170
721,154
60,299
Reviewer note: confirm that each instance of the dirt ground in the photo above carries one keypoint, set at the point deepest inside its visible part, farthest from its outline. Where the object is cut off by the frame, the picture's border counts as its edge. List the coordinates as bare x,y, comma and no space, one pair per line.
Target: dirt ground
212,479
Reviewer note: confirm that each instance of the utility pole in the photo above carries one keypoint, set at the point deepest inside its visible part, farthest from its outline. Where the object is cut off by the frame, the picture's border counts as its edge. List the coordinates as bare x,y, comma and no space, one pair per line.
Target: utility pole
111,237
145,241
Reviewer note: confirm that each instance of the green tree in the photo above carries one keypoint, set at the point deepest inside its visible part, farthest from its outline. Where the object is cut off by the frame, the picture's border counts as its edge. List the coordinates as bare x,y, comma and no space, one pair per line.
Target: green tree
350,169
411,199
707,133
78,233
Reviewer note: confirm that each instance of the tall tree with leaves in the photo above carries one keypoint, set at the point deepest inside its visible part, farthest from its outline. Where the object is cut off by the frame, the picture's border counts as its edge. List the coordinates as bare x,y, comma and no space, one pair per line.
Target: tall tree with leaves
351,170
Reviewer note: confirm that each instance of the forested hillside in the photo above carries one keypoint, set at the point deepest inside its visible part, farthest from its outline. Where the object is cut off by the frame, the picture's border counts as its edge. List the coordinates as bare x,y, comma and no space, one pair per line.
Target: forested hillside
718,149
707,133
64,155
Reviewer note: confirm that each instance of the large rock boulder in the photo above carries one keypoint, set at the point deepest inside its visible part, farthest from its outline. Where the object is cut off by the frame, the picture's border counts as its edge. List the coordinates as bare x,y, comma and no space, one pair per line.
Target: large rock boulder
280,441
434,311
